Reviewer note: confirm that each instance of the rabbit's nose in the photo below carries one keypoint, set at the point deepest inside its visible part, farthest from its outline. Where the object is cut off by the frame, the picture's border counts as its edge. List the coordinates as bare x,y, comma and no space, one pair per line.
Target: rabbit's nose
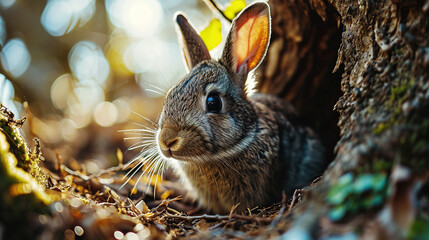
169,141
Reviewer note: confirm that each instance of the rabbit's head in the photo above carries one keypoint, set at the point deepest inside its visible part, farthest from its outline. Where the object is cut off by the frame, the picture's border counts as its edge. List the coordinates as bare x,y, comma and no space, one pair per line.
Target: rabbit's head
207,115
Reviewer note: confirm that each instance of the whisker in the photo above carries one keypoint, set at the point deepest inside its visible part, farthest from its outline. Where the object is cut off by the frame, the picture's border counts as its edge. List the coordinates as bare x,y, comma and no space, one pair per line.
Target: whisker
160,89
139,130
154,91
155,169
145,118
167,84
140,164
133,171
141,137
135,158
137,182
144,142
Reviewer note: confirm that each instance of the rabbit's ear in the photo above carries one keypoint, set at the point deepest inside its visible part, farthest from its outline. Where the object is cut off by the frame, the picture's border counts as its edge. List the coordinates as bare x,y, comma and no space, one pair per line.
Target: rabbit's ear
192,45
247,40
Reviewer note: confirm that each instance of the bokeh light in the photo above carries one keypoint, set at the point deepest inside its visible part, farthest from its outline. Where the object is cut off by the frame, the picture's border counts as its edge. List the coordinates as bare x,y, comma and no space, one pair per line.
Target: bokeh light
68,129
116,47
78,230
62,16
5,4
15,57
61,88
93,64
2,32
88,63
123,107
105,114
81,92
131,236
85,98
118,235
137,18
7,94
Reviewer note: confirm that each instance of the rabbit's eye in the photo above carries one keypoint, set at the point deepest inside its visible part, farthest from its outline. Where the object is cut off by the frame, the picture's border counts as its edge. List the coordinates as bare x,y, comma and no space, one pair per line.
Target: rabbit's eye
214,103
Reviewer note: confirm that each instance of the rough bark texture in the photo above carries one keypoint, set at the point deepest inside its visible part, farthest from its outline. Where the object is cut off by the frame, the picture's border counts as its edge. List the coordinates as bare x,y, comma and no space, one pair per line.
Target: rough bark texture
299,64
383,110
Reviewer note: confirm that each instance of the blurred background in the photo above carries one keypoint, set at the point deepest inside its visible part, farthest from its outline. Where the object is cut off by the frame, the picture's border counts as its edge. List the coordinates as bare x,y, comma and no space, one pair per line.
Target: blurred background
81,70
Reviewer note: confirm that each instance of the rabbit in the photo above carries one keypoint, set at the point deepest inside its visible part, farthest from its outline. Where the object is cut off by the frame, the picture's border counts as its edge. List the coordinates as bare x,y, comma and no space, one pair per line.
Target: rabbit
228,146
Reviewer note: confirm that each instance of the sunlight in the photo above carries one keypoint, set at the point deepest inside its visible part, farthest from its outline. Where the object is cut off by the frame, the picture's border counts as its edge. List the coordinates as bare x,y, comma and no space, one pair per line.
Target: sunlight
105,114
68,129
7,94
5,4
143,55
88,63
15,57
85,98
90,67
2,32
62,16
60,89
155,64
116,46
123,107
137,18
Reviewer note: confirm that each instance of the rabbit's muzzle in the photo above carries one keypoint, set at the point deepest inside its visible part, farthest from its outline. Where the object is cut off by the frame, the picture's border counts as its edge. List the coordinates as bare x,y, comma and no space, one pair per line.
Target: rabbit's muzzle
180,143
169,142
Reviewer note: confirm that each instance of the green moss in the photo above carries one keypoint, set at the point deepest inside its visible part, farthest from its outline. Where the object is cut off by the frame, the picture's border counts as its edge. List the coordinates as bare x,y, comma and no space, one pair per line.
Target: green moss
414,144
399,92
376,165
419,229
27,160
381,127
411,147
21,191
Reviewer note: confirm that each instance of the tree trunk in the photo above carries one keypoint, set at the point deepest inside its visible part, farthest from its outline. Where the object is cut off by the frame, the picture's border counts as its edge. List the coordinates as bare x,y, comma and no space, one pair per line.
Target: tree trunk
383,57
299,64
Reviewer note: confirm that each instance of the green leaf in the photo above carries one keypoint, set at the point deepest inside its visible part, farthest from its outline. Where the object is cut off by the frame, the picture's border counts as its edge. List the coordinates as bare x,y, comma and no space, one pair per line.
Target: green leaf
232,10
212,34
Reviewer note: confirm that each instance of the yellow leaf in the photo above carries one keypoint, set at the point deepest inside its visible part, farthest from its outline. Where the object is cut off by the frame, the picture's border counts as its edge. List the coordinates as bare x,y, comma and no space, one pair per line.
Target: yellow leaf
166,194
232,10
212,34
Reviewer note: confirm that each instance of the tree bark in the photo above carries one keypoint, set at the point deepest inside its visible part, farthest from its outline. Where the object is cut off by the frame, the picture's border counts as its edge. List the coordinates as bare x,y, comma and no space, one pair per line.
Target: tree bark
299,64
383,57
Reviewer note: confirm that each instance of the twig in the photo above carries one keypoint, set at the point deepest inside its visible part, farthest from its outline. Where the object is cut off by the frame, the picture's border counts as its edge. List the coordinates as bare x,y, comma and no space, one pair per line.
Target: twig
278,216
165,203
215,7
98,174
75,173
219,224
233,209
218,217
173,210
294,199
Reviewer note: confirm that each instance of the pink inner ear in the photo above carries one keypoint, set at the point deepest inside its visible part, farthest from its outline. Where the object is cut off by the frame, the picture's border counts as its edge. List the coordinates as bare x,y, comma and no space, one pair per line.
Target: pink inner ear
252,36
